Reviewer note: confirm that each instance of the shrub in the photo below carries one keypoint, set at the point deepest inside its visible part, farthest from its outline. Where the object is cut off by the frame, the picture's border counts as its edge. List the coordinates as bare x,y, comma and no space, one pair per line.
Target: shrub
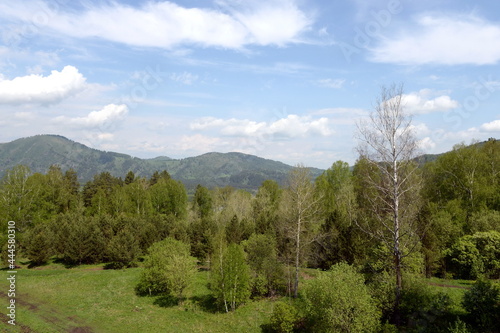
339,301
284,317
482,302
475,255
422,308
169,269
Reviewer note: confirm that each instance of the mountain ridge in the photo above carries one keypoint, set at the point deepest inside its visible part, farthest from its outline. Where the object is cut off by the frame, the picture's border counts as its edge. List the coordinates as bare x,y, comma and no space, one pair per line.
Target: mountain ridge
211,169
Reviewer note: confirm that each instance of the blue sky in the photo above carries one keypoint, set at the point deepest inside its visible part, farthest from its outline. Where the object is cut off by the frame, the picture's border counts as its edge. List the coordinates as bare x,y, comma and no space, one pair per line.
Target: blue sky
281,79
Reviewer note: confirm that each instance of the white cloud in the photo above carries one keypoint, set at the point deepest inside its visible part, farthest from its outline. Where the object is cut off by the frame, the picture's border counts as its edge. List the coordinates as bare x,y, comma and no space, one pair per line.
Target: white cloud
426,144
38,89
493,126
290,127
443,40
422,102
104,118
165,24
331,83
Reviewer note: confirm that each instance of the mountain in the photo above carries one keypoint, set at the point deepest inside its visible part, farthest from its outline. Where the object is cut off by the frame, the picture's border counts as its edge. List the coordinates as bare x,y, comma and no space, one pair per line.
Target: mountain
211,169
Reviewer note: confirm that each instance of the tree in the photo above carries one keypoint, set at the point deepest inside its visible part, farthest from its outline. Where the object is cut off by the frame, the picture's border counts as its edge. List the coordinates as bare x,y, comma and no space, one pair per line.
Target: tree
17,197
340,240
168,269
230,277
300,211
267,270
265,206
339,301
482,302
390,180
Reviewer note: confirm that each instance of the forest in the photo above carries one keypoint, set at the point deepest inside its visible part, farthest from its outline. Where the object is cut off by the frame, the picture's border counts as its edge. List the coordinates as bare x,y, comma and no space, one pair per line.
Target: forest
344,252
255,244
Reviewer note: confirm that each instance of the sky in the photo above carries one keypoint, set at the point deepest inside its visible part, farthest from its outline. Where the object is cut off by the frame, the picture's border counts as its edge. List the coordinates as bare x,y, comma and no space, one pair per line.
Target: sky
281,79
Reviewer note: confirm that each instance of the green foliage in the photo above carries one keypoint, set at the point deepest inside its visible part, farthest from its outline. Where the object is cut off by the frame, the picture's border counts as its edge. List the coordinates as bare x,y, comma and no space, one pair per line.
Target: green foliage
422,308
482,303
339,301
458,327
37,243
475,255
123,249
230,277
168,269
284,317
268,272
202,202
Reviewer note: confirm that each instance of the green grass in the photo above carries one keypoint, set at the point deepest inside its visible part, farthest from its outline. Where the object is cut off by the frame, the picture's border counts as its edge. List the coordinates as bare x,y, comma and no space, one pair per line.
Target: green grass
58,299
455,289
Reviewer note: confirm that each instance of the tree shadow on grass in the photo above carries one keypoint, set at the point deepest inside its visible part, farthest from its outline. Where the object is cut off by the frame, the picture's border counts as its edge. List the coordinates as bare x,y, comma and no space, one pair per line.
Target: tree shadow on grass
206,303
266,328
166,301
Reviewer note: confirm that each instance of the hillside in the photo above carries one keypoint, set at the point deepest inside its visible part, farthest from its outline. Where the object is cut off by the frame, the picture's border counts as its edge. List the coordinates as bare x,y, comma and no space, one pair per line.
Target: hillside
211,169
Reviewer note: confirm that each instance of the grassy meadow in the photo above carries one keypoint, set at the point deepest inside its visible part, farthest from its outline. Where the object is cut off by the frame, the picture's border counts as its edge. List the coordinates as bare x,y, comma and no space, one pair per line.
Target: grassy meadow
90,299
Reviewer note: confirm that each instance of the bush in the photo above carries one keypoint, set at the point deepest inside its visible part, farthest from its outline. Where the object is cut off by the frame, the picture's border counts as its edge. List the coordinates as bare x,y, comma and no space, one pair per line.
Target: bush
422,308
169,269
284,317
475,255
482,302
339,301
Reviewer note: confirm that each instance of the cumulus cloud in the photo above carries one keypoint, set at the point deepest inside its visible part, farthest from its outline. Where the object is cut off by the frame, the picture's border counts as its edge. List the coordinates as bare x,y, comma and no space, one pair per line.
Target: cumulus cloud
104,118
166,24
493,126
426,144
290,127
39,89
426,101
445,40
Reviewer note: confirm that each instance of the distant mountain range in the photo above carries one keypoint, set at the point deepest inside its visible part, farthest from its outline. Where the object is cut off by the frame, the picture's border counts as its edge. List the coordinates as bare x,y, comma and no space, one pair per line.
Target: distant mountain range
212,169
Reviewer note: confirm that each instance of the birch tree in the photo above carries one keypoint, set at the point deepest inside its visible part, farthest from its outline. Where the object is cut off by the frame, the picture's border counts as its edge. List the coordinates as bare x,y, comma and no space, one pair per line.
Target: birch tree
391,183
300,212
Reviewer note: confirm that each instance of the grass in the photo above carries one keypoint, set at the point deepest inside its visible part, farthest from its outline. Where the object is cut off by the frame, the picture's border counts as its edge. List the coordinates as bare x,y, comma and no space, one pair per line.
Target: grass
52,298
59,300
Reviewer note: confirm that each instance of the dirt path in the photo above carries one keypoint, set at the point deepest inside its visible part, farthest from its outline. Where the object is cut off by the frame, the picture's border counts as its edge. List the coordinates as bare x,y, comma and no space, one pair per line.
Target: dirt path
446,285
50,315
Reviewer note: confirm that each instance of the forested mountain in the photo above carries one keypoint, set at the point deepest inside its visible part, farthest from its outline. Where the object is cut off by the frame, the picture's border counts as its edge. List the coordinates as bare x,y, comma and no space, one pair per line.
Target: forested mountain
212,169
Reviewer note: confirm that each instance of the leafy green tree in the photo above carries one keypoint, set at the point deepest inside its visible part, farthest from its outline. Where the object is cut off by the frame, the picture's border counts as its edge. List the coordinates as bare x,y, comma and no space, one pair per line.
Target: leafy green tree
138,199
300,212
475,255
339,301
266,206
202,202
268,272
390,179
168,269
340,239
17,197
230,276
482,302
